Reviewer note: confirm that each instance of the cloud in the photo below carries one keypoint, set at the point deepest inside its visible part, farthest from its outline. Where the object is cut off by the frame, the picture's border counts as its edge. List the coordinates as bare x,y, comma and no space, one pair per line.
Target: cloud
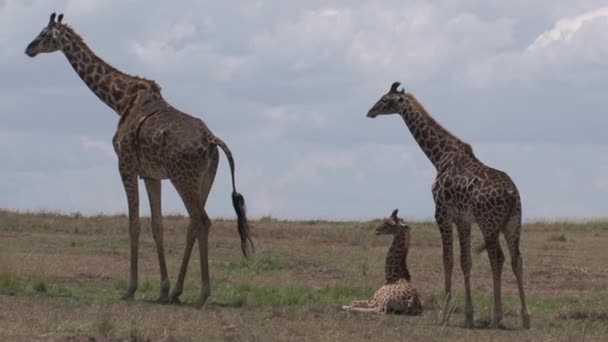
100,146
566,28
179,49
572,50
287,87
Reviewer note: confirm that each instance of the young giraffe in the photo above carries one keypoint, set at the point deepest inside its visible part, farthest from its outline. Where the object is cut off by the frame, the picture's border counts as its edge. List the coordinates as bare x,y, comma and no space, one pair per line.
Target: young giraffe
397,295
153,141
465,191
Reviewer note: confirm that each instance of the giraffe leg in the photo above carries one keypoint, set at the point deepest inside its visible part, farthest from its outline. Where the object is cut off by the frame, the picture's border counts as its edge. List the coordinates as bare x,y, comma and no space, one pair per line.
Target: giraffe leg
191,198
203,246
129,180
362,306
464,237
445,229
203,234
359,304
512,234
153,187
497,260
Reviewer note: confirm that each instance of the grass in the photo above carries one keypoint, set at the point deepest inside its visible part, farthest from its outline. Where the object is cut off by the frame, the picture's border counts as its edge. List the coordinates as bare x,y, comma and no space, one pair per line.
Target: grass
61,276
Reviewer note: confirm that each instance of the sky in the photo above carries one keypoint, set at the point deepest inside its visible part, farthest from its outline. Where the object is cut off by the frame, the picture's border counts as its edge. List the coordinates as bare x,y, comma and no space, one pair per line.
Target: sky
287,86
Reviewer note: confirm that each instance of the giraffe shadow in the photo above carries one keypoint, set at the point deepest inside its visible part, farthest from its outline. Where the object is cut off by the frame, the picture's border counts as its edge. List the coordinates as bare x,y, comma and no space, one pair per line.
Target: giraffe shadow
486,324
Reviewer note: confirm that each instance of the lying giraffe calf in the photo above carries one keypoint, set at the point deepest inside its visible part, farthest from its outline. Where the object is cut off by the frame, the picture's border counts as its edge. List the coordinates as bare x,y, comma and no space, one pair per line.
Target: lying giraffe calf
397,295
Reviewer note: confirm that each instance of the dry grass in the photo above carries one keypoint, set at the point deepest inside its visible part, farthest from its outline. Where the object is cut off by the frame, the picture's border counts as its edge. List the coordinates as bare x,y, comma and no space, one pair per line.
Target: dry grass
61,277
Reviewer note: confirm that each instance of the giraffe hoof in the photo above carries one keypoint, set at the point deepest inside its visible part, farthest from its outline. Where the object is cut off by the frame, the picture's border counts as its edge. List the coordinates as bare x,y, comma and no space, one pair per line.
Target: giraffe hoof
526,322
497,325
128,296
175,300
163,300
201,302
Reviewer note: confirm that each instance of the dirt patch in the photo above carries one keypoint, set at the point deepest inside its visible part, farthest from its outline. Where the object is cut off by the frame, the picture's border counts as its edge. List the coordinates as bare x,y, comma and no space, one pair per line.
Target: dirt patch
584,315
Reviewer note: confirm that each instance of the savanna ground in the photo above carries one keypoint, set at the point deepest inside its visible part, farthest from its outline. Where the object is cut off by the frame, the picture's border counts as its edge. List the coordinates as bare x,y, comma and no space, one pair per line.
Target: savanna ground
61,277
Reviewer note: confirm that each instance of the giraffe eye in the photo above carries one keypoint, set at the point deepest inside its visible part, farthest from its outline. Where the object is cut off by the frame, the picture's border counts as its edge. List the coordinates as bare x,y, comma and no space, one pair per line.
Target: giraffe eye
400,99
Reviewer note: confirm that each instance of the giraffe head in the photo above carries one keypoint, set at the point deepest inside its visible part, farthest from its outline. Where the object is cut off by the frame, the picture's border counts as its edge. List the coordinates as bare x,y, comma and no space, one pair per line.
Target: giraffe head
49,39
392,102
392,225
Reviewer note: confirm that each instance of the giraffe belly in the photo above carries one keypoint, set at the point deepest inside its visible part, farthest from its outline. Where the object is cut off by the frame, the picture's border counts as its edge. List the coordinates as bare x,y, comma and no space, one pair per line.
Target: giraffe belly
152,169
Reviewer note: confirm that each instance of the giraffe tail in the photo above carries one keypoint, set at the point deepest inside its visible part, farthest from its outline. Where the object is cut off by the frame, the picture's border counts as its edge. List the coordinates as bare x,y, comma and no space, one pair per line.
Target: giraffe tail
238,201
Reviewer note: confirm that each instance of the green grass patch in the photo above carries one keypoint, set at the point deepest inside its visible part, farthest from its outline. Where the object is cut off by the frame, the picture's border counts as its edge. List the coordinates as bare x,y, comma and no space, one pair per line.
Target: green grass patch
233,295
263,263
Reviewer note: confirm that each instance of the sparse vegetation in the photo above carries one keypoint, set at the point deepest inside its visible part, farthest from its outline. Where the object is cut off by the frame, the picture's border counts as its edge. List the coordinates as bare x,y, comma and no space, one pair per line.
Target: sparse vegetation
62,276
557,238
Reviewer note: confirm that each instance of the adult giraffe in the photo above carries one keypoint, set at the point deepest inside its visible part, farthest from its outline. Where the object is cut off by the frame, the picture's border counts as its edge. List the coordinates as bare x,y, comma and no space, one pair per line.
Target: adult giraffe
465,191
153,141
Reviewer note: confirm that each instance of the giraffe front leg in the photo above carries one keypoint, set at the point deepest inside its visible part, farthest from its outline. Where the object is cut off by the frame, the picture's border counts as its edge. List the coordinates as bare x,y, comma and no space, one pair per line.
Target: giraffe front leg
153,187
129,180
445,229
464,237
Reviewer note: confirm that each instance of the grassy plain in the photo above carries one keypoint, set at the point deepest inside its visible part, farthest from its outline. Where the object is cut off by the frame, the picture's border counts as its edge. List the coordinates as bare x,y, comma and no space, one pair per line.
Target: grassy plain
61,277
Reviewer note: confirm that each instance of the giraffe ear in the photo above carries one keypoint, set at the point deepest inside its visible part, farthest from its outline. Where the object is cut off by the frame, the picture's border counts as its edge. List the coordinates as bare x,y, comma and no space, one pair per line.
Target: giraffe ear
52,19
394,87
394,214
60,18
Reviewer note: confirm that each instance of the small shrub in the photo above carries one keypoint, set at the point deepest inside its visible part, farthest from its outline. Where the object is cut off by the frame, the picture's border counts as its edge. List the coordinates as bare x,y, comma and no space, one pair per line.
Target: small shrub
39,286
105,328
10,284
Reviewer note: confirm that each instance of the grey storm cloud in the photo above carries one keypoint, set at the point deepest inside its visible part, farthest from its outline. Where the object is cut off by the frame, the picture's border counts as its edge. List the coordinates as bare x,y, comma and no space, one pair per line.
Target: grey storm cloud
287,86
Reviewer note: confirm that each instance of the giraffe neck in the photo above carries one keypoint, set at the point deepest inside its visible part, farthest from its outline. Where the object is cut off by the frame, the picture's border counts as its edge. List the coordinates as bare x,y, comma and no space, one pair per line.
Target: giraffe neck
438,144
396,258
115,88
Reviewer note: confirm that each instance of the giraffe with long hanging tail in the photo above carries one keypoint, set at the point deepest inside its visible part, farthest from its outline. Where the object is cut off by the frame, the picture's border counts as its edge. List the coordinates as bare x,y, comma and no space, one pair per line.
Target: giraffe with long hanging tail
153,141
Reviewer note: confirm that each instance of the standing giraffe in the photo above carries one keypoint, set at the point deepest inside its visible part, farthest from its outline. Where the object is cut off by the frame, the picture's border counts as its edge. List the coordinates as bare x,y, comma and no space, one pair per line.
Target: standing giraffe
397,295
153,141
465,191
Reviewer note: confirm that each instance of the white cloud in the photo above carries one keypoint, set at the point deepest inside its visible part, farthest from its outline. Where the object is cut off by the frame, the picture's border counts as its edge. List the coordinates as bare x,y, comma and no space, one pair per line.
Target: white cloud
287,87
99,146
181,49
566,28
561,53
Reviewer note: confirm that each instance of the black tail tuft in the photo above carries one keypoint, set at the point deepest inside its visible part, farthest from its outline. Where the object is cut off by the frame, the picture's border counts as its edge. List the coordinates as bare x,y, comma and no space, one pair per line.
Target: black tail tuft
239,206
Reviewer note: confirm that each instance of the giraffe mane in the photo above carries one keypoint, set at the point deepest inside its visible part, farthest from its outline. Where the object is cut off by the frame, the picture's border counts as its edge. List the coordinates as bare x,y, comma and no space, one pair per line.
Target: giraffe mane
79,40
464,146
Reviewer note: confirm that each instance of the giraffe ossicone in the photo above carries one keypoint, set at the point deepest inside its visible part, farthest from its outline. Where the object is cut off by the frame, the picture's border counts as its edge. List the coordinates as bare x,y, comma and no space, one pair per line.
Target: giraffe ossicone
465,191
153,141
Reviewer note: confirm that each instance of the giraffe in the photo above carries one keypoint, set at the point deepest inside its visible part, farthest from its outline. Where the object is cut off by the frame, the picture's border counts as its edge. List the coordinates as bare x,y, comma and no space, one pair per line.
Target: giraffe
465,191
397,295
153,141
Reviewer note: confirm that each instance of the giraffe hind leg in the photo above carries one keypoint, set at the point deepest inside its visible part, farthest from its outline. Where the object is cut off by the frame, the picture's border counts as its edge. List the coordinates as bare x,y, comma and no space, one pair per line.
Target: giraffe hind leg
153,187
512,234
189,192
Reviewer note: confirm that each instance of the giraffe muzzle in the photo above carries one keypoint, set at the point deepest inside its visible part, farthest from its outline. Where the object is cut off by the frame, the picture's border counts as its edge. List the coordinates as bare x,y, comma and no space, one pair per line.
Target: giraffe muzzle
29,52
